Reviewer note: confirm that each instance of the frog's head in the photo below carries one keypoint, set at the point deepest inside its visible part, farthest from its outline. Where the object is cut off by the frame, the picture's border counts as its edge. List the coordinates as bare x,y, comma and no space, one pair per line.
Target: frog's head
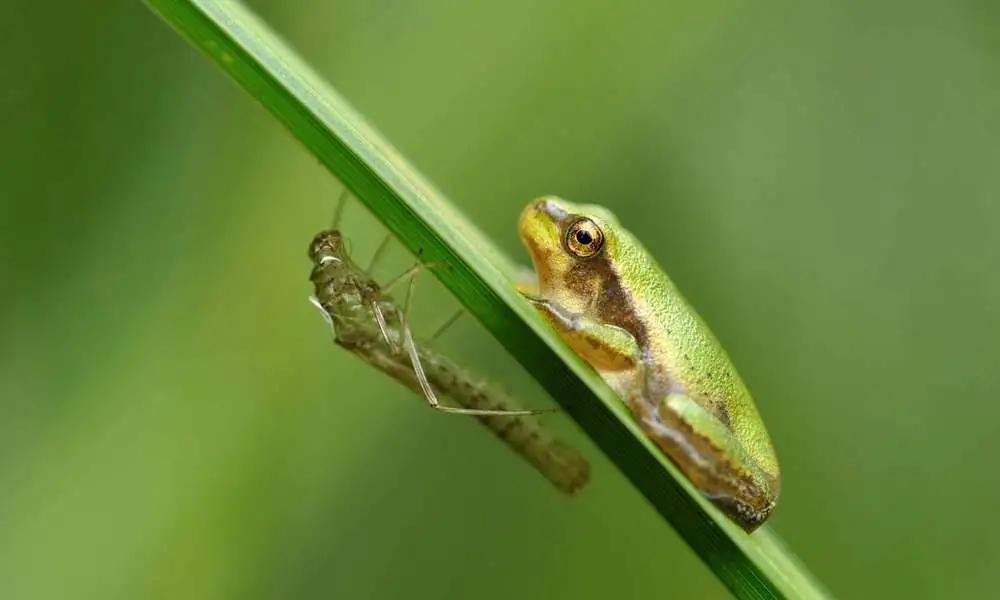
574,248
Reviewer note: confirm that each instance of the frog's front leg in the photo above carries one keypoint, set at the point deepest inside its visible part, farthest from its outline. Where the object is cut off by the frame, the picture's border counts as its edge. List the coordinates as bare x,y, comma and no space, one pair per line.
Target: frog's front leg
715,460
607,348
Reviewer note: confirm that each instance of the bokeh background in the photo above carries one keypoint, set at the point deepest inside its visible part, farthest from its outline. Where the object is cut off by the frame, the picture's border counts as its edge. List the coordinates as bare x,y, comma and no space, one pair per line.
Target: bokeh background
820,178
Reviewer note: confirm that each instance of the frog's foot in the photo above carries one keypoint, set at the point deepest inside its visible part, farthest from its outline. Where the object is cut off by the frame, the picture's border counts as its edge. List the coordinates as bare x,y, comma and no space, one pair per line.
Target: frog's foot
712,458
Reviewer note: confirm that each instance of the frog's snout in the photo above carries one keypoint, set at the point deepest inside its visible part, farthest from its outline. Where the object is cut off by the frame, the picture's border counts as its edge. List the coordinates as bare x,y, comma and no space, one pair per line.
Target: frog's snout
537,229
542,219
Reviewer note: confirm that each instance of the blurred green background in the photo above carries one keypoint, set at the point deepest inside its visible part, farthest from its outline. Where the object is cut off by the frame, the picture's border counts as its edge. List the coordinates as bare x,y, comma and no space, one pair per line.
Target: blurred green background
820,178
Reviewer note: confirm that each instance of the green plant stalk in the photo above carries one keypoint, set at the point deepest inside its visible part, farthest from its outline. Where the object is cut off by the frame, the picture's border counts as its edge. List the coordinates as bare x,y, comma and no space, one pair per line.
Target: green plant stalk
751,566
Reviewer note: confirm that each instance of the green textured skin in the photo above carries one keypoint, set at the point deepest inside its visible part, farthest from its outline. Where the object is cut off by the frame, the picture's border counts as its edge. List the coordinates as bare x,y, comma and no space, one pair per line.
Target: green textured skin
675,377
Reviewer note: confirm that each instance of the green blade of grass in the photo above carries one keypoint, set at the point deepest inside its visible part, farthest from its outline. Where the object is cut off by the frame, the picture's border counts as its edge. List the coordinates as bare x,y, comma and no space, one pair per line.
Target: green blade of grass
752,566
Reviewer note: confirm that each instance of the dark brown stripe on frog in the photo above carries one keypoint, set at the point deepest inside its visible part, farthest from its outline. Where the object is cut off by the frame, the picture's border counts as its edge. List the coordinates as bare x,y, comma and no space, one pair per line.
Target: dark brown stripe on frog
597,278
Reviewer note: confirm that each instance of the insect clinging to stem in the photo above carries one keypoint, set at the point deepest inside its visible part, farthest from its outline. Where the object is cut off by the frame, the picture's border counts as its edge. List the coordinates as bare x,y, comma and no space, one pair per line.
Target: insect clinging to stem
366,320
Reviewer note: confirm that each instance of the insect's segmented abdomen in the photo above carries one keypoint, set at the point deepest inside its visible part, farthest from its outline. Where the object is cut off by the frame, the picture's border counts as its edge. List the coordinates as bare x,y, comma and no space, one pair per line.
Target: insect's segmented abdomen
562,465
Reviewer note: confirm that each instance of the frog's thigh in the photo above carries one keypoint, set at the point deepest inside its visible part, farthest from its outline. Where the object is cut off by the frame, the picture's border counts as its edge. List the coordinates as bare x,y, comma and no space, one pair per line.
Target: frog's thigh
605,347
714,431
722,468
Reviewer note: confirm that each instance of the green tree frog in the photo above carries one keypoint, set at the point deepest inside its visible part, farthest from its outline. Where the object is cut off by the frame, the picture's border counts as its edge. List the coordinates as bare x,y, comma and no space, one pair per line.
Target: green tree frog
614,306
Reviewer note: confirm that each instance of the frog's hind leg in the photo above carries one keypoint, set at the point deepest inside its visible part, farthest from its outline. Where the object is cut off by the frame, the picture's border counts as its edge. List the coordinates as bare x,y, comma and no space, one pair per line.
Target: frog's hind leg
713,459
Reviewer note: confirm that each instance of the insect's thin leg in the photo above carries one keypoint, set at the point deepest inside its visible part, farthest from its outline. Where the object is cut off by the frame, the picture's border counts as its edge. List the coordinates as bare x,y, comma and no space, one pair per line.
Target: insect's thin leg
444,326
382,326
418,369
377,311
339,211
409,273
432,399
407,301
379,251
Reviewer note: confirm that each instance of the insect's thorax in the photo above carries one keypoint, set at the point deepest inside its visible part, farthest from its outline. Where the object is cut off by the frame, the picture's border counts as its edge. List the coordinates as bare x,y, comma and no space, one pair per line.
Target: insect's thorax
349,300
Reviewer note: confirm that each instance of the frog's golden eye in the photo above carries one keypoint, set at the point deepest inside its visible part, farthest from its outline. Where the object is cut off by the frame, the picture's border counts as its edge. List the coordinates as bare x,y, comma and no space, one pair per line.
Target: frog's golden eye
584,238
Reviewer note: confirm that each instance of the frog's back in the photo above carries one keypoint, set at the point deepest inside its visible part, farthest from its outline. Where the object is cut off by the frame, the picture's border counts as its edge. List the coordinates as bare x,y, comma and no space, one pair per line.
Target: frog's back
691,359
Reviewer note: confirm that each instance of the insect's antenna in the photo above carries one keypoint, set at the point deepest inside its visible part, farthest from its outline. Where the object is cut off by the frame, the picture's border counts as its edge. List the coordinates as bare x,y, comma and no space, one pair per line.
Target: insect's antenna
339,211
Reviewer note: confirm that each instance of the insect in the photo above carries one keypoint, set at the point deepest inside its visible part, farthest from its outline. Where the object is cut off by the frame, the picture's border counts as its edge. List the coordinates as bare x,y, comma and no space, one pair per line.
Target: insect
366,320
612,303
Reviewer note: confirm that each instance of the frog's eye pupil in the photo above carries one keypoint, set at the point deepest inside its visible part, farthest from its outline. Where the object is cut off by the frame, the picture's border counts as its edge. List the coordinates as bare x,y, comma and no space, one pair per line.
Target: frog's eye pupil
584,238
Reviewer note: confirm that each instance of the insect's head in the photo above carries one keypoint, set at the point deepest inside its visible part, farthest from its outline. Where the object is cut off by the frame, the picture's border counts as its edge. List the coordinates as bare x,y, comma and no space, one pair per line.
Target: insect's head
326,248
